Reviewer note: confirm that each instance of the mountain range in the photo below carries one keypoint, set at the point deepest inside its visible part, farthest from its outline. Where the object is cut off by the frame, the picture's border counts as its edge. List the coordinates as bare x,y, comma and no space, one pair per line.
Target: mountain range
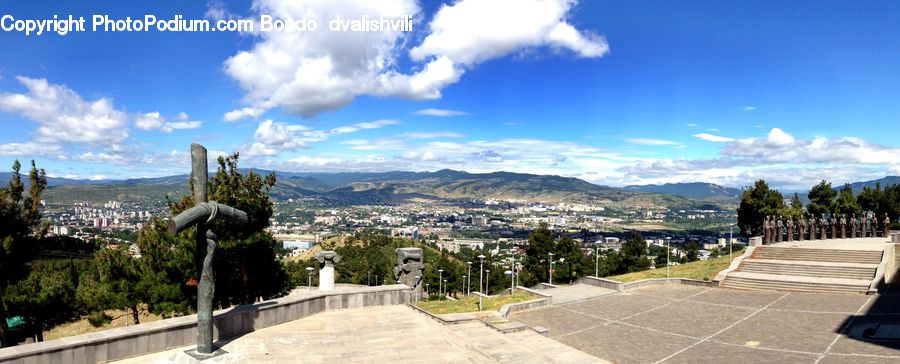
400,186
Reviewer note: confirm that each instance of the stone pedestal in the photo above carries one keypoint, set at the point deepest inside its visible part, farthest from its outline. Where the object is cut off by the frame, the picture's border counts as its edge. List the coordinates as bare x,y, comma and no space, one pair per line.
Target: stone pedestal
756,241
410,269
326,269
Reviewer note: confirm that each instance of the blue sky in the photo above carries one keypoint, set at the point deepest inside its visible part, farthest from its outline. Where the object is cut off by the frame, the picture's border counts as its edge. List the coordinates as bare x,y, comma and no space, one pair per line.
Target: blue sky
614,92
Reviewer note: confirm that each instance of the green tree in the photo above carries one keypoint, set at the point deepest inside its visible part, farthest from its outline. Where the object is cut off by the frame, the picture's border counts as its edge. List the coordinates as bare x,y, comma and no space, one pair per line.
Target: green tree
846,203
756,203
692,252
19,214
821,199
634,253
796,207
46,296
540,244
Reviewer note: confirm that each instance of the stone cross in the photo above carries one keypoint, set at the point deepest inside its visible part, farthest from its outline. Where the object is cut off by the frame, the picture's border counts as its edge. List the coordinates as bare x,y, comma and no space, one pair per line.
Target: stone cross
202,214
410,268
326,260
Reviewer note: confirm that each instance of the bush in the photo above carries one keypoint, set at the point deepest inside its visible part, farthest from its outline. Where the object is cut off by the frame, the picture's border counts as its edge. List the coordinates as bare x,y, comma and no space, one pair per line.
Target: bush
98,319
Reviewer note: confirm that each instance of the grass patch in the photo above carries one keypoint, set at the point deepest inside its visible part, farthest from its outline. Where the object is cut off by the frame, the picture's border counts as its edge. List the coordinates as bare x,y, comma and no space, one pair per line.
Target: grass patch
699,270
470,304
83,325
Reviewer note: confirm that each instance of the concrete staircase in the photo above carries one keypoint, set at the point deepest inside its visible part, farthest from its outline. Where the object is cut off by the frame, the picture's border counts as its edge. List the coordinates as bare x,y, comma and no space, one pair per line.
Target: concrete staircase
806,270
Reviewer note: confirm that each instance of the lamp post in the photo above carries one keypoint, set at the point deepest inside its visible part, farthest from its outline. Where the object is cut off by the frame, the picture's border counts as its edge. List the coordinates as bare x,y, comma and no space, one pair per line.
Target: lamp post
469,282
309,271
480,279
730,242
551,267
668,251
369,278
440,278
376,279
512,275
597,260
464,282
426,291
487,282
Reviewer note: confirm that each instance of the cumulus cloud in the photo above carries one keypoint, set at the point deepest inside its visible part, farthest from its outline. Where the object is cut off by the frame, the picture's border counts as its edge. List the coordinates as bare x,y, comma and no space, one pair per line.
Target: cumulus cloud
649,141
29,149
307,73
63,116
780,147
440,112
273,138
155,121
713,138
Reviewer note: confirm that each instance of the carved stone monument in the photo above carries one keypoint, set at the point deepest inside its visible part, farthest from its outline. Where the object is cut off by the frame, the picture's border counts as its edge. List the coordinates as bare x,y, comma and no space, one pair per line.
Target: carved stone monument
410,268
801,228
813,227
778,229
834,226
326,260
202,214
874,225
886,226
843,222
853,225
790,229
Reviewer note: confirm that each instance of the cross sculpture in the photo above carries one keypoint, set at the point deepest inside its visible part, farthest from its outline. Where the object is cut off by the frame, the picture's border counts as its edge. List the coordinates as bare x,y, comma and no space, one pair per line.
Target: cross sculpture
202,214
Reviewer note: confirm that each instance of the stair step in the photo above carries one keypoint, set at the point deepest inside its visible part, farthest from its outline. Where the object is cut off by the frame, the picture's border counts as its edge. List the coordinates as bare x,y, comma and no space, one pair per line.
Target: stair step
810,269
776,282
819,255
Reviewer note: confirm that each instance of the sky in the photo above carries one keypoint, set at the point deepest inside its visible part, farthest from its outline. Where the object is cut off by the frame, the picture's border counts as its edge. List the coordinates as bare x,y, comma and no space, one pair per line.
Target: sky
612,92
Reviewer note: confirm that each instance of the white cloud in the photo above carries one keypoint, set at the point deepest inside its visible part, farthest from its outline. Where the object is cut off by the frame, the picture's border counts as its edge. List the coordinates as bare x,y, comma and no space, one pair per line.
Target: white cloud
649,141
240,114
29,149
692,125
307,73
431,135
272,138
440,112
749,108
713,138
63,116
473,31
781,147
155,121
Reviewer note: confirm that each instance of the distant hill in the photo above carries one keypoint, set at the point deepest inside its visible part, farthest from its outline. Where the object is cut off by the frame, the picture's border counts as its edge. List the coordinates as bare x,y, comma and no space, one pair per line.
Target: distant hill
694,190
384,187
884,182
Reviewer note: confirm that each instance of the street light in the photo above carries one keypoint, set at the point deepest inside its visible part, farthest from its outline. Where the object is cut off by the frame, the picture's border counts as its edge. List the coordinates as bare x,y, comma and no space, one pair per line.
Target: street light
597,260
469,282
730,242
480,279
376,279
309,278
464,282
668,254
426,291
369,278
445,287
551,267
512,275
440,277
487,282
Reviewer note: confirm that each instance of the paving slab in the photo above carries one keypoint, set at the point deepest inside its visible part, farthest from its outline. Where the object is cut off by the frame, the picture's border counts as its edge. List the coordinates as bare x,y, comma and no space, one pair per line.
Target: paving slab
675,291
576,292
559,321
625,344
618,306
682,318
786,330
822,302
715,353
736,297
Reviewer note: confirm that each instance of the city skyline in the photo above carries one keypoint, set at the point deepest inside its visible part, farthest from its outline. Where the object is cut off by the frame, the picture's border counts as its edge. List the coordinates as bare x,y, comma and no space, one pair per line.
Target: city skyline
613,93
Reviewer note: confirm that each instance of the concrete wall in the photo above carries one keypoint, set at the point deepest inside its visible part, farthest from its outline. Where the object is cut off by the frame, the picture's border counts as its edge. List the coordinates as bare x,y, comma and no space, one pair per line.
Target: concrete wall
121,343
602,283
892,267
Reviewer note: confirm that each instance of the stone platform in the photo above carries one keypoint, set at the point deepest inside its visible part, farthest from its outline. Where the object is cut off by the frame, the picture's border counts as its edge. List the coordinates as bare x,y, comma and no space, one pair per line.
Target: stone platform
384,334
687,324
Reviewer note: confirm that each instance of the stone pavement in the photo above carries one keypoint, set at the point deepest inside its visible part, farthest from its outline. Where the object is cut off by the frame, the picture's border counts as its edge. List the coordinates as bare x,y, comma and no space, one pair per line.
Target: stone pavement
687,324
383,334
576,292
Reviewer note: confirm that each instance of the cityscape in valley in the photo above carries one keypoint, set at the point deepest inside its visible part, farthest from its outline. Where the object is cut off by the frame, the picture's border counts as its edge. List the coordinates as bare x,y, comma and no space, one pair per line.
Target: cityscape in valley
449,181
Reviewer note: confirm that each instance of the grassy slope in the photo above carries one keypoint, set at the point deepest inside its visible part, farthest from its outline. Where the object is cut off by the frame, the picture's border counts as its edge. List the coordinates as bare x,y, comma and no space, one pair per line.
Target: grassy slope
470,304
700,270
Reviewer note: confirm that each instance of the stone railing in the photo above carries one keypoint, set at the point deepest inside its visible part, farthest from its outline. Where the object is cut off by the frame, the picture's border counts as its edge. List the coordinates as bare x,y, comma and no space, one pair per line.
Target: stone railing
125,342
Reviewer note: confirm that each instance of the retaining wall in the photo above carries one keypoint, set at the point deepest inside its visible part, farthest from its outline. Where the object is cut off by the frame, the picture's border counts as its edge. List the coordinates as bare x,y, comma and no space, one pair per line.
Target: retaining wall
125,342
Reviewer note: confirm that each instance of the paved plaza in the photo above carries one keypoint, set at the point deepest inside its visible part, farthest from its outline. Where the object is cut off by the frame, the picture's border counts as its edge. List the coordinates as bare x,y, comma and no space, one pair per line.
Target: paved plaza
688,324
382,334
